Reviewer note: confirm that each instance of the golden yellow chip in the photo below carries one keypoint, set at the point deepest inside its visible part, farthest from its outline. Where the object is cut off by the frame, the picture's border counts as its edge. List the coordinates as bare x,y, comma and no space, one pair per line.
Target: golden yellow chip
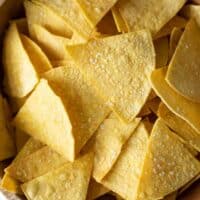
21,78
67,182
175,22
120,67
110,137
162,51
174,39
20,139
39,13
95,190
125,174
181,127
147,14
95,10
168,164
185,109
181,66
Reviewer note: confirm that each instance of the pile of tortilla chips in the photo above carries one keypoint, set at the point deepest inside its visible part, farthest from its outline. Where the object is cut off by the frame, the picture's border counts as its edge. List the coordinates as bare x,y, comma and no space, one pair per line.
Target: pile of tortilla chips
101,97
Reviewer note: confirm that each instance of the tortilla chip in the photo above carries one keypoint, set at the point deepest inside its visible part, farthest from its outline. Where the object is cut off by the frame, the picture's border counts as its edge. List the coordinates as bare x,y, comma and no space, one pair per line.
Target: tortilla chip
16,103
70,11
95,190
20,139
119,22
7,146
174,39
110,137
67,182
86,110
175,22
183,108
39,13
21,79
120,75
124,176
181,127
50,125
158,178
162,51
181,66
10,184
146,14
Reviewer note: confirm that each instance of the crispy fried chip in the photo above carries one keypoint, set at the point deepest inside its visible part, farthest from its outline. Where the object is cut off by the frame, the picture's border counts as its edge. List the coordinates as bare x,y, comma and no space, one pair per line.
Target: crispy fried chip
120,67
151,14
124,176
44,117
20,139
110,137
179,105
162,51
95,10
67,182
182,66
21,79
181,127
168,164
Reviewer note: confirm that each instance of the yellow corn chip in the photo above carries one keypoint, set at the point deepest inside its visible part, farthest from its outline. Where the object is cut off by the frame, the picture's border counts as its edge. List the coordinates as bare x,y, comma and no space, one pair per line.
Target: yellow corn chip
162,51
47,123
66,183
95,190
85,108
7,146
181,66
39,13
168,164
182,128
120,67
21,78
151,14
174,39
110,137
95,10
179,105
20,139
125,174
175,22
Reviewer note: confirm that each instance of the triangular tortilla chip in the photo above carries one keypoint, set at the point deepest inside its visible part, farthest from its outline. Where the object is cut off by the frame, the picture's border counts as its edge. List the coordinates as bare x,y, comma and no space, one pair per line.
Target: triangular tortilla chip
20,139
39,13
7,146
174,39
95,190
120,69
179,105
20,79
124,176
49,124
168,164
181,127
181,66
162,51
147,14
110,137
95,10
66,183
86,109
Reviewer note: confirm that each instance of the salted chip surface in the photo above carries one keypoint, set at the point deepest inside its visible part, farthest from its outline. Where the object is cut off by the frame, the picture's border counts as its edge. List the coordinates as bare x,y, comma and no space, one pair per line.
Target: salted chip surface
110,137
85,108
120,67
49,124
124,177
21,79
168,164
182,107
65,183
182,66
147,14
181,127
